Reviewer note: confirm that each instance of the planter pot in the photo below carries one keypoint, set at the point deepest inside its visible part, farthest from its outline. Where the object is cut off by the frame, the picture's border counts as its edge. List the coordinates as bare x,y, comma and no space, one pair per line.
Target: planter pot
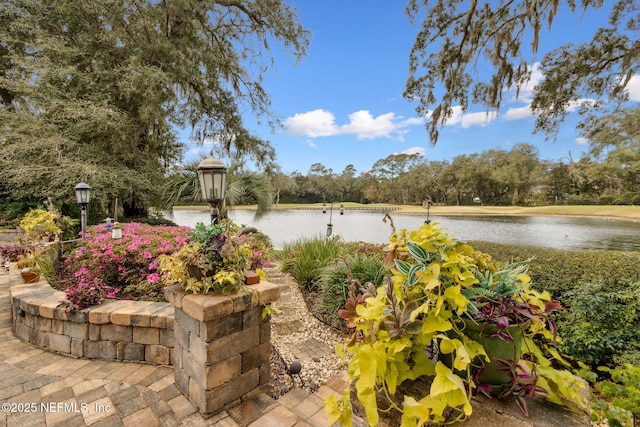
30,276
251,278
493,373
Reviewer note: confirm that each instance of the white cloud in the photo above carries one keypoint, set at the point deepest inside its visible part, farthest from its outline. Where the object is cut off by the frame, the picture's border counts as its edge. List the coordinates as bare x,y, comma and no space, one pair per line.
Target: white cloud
518,113
413,121
633,88
312,123
582,141
467,120
415,150
478,119
365,126
361,123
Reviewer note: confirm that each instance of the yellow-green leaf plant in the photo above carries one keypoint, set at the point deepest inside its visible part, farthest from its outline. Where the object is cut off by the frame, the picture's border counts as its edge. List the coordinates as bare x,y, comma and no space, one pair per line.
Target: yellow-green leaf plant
423,302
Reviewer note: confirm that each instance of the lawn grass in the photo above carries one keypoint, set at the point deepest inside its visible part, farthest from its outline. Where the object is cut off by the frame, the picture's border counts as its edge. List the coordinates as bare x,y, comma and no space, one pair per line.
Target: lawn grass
627,212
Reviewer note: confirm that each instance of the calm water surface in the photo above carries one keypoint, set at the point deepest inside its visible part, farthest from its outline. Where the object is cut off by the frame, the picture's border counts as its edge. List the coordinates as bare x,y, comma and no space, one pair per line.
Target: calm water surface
555,232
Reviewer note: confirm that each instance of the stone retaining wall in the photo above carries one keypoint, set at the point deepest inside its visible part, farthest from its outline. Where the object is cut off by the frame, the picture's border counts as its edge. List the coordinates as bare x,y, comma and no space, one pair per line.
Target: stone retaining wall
118,330
11,236
222,342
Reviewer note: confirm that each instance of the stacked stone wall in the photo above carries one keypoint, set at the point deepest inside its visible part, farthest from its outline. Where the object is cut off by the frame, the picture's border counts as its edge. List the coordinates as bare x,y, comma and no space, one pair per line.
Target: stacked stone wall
218,344
222,346
118,330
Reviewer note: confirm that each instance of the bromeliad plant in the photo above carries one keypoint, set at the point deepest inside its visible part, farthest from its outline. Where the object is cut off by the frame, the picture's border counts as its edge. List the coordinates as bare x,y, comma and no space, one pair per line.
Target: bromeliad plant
442,291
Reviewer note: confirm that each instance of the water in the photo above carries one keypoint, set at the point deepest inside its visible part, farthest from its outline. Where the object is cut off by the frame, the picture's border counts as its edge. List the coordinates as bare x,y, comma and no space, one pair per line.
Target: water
548,231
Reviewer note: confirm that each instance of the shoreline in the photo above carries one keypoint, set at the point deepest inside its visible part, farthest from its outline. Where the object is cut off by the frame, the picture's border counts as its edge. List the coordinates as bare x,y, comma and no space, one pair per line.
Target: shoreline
627,213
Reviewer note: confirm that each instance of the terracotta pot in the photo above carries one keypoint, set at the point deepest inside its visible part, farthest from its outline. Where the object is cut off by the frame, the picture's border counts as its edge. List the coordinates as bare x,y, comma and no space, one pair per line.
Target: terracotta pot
30,276
251,278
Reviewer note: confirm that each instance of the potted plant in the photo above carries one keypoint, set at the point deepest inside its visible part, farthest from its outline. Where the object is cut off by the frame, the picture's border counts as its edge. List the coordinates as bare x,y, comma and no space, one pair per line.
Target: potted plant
442,293
215,259
40,225
28,266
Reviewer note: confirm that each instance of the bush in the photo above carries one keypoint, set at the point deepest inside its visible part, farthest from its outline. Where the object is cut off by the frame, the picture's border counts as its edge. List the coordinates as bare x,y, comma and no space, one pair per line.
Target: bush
125,268
150,220
306,258
10,252
562,271
617,399
335,280
600,290
364,248
601,325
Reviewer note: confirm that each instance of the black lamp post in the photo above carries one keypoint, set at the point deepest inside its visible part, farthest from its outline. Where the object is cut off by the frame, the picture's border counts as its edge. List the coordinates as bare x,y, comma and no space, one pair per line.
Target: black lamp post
83,192
212,173
330,225
428,202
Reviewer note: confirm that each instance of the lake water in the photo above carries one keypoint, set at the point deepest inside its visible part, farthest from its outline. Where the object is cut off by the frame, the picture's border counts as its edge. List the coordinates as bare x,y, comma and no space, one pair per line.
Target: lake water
555,232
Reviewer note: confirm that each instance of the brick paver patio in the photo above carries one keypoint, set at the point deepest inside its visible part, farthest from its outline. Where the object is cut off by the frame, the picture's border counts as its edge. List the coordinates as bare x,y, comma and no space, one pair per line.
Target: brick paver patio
41,388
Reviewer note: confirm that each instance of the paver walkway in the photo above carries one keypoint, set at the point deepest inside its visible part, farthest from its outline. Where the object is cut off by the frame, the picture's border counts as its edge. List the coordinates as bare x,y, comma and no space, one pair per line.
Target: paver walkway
41,388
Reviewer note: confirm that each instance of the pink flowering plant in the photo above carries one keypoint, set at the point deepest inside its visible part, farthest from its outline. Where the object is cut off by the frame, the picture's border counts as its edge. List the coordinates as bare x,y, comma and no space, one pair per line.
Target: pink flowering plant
148,258
124,268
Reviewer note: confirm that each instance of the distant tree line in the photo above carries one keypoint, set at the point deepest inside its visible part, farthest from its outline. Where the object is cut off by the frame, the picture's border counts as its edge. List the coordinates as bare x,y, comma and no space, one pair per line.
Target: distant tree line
609,173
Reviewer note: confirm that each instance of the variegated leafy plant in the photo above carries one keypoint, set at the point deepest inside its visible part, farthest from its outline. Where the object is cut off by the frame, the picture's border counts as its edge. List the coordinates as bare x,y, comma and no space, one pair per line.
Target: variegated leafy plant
435,283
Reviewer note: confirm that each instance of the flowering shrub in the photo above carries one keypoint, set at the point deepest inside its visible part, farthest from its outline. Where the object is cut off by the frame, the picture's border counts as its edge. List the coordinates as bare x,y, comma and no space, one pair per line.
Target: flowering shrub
125,268
148,258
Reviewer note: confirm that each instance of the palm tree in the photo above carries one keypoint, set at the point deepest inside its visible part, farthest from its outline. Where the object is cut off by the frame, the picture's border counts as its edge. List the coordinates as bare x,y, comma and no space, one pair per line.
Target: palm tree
242,187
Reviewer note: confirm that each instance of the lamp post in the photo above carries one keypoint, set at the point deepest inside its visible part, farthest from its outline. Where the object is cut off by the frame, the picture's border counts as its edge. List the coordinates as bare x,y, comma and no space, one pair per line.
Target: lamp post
83,192
429,203
212,173
330,225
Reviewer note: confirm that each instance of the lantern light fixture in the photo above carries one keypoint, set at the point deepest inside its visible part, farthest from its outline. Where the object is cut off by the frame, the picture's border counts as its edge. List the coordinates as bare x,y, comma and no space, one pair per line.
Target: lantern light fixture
83,194
212,175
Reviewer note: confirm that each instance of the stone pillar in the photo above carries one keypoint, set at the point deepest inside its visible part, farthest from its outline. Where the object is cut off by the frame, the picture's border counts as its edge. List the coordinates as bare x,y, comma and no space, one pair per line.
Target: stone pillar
221,345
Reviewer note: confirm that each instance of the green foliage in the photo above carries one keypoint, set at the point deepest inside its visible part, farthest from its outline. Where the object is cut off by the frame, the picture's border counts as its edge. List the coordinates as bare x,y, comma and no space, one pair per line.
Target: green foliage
306,258
335,280
454,36
180,64
617,399
13,210
215,259
599,288
205,234
151,220
562,271
601,325
424,302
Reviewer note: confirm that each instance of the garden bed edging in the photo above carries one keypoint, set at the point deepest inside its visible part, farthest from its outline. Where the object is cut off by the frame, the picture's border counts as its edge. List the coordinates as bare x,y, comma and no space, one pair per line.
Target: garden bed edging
139,331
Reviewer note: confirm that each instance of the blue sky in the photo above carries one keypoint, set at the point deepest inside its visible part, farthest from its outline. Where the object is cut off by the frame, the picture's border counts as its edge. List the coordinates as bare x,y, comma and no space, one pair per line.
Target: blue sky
342,104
